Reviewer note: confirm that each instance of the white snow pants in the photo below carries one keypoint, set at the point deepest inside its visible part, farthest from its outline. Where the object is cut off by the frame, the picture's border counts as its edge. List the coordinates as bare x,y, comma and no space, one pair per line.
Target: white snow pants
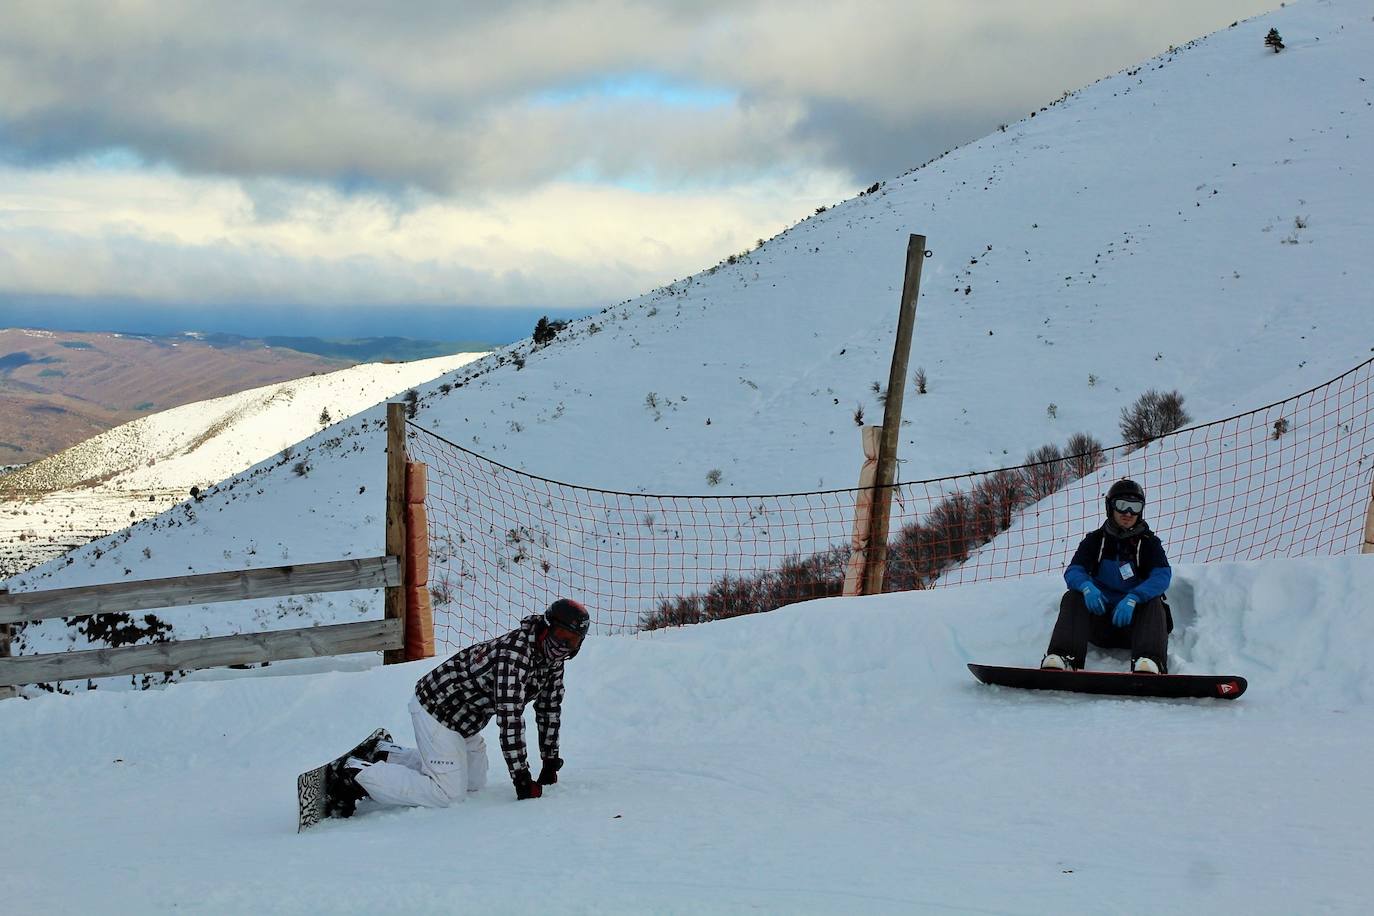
437,773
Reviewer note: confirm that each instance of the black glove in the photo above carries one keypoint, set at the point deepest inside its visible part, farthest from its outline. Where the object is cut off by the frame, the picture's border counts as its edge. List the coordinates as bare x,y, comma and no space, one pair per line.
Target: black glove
524,786
548,775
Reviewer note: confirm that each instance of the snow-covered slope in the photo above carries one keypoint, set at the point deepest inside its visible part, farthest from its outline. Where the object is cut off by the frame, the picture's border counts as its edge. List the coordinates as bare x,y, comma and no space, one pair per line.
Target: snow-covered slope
1142,233
138,469
833,757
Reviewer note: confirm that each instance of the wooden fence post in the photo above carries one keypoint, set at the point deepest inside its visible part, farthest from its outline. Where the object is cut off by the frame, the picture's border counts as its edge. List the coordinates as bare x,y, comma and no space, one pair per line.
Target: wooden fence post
6,634
892,418
395,601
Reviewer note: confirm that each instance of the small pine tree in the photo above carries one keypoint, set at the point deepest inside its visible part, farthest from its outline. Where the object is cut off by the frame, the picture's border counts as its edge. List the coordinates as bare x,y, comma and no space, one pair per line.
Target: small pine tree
1274,40
325,418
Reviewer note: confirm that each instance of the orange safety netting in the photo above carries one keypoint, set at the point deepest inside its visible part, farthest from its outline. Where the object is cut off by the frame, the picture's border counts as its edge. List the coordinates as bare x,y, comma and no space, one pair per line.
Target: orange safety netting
1291,479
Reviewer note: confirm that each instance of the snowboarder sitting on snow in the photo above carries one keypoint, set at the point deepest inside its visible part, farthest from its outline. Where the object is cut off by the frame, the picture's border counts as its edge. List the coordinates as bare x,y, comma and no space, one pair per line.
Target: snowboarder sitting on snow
455,701
1116,580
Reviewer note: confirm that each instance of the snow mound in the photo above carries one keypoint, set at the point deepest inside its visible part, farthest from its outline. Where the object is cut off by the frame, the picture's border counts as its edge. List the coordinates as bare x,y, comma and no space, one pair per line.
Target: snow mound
828,757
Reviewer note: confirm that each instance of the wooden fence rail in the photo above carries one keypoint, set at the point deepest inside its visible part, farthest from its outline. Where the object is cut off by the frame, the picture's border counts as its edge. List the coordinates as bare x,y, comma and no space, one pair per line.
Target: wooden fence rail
385,635
207,588
210,652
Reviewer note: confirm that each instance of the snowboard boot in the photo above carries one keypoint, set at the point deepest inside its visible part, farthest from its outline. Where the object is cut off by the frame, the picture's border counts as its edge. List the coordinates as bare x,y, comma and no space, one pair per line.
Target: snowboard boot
1144,665
374,750
342,791
1058,662
379,755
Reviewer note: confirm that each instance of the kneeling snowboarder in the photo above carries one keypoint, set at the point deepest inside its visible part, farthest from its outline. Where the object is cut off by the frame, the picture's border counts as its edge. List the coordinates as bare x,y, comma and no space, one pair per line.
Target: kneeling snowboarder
1117,579
455,701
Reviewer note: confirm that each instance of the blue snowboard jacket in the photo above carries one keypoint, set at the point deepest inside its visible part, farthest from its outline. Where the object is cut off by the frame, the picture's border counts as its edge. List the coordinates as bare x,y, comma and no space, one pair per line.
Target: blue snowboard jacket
1134,564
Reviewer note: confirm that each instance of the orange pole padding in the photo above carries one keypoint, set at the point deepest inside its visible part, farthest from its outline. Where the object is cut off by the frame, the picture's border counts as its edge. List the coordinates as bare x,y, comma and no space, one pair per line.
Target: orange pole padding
1368,546
417,482
419,624
871,437
417,545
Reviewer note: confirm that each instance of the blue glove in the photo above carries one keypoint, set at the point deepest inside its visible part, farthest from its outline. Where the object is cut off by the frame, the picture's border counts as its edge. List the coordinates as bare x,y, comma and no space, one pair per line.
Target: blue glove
1092,597
1121,617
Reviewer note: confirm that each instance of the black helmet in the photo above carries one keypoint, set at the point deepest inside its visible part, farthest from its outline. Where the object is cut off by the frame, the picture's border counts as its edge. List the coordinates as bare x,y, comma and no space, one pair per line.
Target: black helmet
1125,488
566,623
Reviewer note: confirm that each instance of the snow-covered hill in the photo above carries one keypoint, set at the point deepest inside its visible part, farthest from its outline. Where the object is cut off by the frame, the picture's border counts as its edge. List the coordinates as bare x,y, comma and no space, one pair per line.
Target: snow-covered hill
1196,222
140,468
833,757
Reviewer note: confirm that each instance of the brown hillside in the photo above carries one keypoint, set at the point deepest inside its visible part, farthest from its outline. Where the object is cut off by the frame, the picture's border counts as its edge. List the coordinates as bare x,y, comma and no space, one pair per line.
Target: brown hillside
58,388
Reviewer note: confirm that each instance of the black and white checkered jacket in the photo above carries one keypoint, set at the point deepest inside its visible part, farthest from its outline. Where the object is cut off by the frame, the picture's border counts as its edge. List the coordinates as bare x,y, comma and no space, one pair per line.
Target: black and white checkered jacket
499,678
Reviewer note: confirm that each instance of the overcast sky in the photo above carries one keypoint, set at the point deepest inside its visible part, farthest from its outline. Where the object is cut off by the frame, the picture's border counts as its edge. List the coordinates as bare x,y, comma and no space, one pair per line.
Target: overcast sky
564,154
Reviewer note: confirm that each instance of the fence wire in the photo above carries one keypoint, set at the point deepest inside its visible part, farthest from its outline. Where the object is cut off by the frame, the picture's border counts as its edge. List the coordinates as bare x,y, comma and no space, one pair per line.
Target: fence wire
1288,480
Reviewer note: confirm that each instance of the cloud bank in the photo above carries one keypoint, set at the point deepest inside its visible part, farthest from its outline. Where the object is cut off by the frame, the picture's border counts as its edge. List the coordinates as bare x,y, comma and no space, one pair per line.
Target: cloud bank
571,152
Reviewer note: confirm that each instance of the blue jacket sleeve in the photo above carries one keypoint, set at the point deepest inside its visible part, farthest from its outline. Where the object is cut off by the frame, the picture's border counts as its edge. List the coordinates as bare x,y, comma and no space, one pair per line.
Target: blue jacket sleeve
1075,576
1155,584
1079,570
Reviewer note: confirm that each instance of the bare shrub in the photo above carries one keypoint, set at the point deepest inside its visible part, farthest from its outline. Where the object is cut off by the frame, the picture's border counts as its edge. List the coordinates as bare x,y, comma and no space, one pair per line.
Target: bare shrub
820,575
1154,414
1045,472
441,593
912,559
1083,455
950,526
995,500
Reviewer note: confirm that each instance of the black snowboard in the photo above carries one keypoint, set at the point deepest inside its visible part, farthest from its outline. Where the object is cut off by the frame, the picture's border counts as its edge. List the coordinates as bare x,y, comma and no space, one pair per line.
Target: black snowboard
1121,683
313,801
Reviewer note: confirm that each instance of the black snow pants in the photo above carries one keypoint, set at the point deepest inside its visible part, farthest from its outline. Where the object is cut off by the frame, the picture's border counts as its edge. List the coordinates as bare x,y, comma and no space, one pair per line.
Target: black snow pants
1146,636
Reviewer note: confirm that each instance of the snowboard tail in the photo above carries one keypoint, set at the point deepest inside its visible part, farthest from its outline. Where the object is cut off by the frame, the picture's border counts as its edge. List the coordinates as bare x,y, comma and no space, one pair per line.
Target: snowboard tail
1116,683
313,799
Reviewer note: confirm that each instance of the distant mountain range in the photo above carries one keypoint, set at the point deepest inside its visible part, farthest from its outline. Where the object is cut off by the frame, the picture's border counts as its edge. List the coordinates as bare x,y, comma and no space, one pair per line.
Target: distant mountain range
58,388
358,350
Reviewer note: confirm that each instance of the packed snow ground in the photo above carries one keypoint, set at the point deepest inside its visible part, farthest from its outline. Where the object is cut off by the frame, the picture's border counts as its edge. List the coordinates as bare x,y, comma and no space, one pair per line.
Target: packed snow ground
828,757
